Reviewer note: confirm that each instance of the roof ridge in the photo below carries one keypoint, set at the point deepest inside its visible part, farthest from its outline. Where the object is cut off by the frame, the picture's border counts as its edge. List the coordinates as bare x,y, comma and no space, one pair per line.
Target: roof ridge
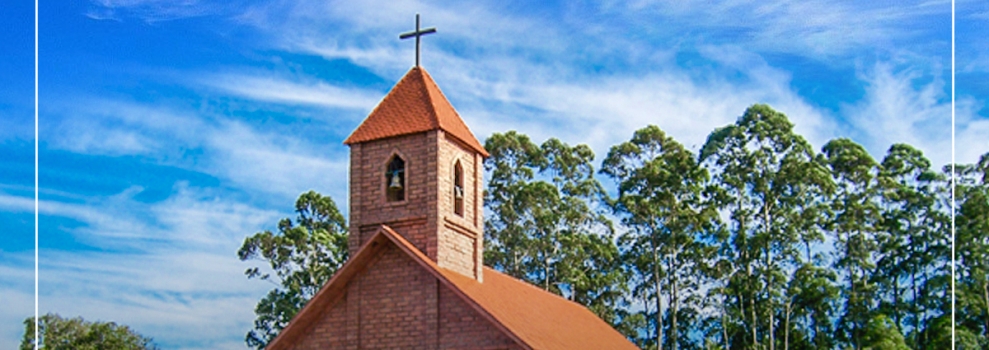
434,116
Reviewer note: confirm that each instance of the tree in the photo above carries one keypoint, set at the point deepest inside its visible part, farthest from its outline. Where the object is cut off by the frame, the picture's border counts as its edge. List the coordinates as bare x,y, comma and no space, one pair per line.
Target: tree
972,227
907,241
301,256
769,183
512,165
660,200
854,216
57,333
549,233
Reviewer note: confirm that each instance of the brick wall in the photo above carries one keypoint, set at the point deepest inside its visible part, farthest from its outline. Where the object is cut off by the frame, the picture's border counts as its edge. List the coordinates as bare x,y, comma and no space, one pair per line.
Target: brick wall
427,213
397,304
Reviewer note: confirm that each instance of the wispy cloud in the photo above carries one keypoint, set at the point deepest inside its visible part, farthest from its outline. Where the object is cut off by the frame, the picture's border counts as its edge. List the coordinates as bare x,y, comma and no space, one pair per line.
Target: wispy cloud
152,11
270,159
179,279
16,296
910,106
820,29
292,91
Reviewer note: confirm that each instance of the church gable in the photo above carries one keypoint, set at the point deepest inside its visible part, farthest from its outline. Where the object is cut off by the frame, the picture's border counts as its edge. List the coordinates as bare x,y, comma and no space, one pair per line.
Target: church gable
392,298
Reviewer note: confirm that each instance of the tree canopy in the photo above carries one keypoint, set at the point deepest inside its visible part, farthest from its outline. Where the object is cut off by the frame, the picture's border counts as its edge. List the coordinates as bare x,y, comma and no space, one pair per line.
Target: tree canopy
299,259
58,333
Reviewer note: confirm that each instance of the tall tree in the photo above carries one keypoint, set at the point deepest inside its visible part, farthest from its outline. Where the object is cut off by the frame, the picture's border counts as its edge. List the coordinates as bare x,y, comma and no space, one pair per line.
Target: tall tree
512,165
660,200
972,241
546,228
300,258
911,222
58,333
769,177
854,217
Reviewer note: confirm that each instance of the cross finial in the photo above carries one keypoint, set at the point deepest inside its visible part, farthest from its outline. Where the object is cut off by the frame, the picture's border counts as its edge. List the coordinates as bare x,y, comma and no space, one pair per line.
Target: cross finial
417,34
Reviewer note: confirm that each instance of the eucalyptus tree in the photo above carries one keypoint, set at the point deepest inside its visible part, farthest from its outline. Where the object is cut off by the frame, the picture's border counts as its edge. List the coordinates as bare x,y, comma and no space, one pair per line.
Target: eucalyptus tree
512,166
660,187
972,242
301,256
586,259
546,227
769,177
911,222
853,219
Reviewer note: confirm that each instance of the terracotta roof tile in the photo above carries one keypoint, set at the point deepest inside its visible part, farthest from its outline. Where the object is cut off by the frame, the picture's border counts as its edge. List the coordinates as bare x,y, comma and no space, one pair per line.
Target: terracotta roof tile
534,318
414,105
542,320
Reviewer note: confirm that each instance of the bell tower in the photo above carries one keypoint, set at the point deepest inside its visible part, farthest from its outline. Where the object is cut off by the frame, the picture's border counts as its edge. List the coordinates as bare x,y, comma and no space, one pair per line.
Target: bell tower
416,168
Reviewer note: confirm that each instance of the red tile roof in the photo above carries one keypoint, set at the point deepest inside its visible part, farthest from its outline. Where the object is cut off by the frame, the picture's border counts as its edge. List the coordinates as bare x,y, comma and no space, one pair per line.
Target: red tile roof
534,318
414,105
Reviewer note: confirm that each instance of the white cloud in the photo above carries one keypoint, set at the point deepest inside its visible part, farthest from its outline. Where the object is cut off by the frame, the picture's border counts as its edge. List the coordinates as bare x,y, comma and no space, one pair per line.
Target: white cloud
902,106
269,159
292,91
817,29
168,269
151,11
16,296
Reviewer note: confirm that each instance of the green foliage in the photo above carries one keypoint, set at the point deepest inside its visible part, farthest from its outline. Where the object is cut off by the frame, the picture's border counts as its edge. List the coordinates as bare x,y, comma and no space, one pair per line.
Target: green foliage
881,334
972,229
301,256
57,333
911,243
543,226
660,201
769,183
853,217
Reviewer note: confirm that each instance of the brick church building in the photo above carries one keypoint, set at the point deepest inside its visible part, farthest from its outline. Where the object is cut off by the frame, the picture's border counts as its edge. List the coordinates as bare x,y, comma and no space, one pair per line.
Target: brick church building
415,278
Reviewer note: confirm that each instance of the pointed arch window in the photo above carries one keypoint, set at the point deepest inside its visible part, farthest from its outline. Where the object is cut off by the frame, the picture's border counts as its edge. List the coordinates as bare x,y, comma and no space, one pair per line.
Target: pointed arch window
395,179
458,189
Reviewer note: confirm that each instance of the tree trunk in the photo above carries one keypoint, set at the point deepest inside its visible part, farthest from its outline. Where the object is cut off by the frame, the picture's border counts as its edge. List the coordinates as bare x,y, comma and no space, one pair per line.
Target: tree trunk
916,319
896,304
676,306
786,328
755,338
851,294
724,321
985,295
772,338
659,302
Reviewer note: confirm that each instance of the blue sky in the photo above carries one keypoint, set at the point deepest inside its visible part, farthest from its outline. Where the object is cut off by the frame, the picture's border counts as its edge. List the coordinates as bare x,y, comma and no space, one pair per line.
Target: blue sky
171,130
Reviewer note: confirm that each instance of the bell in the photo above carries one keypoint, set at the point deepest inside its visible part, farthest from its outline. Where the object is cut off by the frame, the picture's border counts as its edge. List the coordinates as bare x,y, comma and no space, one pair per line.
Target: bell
396,183
458,192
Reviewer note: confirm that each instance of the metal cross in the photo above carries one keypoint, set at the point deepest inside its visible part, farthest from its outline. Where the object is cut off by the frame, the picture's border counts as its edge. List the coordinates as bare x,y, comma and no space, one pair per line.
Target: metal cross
417,34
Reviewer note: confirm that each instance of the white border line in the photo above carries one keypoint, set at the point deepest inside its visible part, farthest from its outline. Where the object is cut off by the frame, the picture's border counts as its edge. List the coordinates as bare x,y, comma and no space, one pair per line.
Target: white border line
953,204
36,174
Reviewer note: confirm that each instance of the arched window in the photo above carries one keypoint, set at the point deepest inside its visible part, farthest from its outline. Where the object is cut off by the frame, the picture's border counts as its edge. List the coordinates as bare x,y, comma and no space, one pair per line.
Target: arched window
458,189
395,179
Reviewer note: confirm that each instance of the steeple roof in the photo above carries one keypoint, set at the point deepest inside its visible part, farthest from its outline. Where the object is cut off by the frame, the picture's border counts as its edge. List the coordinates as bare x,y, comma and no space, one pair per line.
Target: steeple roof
414,105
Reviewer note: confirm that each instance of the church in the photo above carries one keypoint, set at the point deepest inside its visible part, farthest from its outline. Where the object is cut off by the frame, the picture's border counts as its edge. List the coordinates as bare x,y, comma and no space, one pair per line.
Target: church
416,277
